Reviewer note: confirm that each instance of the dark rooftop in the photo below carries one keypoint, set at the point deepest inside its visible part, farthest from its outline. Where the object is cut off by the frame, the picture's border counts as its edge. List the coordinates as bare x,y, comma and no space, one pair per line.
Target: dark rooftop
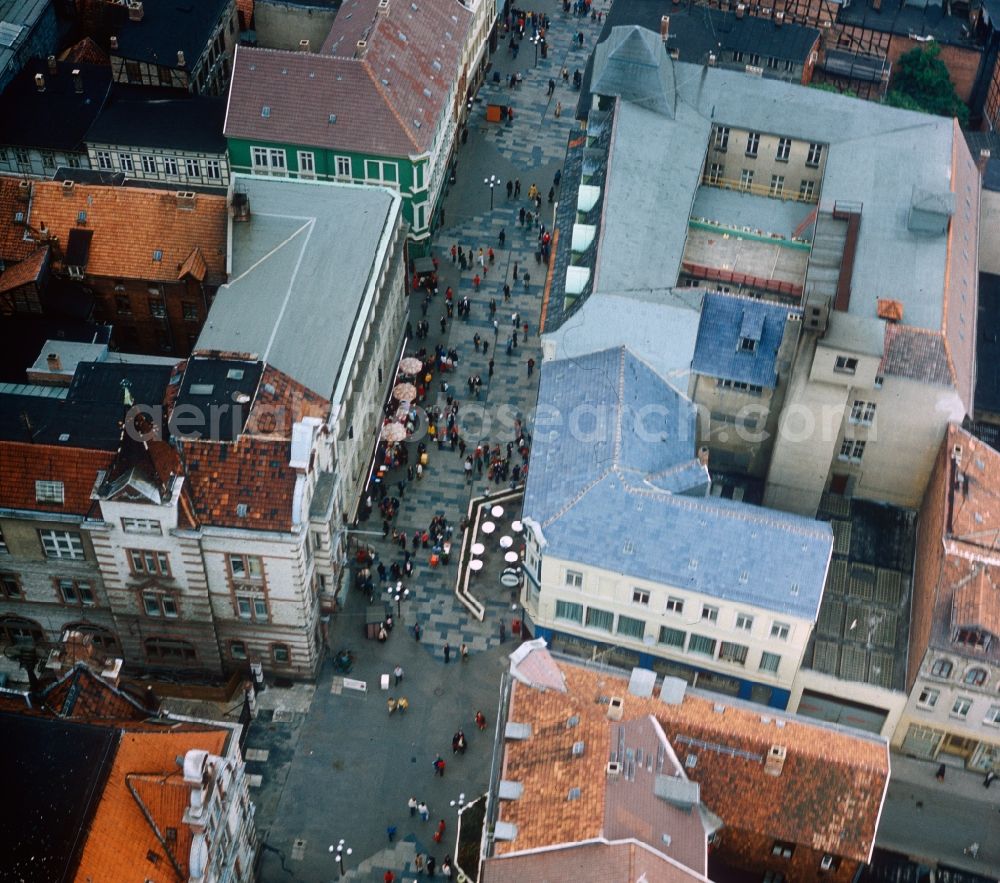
22,339
192,123
51,793
166,27
59,117
898,18
980,141
988,345
90,414
217,395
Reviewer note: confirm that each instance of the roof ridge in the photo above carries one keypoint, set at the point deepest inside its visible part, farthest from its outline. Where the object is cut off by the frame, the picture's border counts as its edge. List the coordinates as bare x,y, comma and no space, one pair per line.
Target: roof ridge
579,496
389,103
616,451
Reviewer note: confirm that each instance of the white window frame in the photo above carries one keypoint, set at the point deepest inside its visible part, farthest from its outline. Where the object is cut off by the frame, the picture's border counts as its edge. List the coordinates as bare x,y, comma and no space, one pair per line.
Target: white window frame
104,160
50,492
753,141
815,155
715,171
852,450
159,604
862,412
142,525
784,144
807,189
928,697
722,138
640,597
574,578
342,166
744,622
780,631
276,160
746,179
992,716
213,169
845,365
62,544
777,187
674,605
192,168
709,613
960,708
148,163
170,166
125,162
307,164
769,662
72,592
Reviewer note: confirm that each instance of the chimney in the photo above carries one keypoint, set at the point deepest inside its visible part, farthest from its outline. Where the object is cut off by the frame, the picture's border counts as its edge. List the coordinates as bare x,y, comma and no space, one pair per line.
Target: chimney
779,19
956,456
703,456
135,11
303,45
180,58
67,187
53,67
984,159
664,27
241,207
712,59
740,10
361,49
77,81
39,82
114,43
185,199
774,763
383,7
54,362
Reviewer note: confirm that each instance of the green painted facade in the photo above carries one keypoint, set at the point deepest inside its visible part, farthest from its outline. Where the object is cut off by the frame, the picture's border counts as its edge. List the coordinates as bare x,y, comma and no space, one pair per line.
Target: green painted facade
407,175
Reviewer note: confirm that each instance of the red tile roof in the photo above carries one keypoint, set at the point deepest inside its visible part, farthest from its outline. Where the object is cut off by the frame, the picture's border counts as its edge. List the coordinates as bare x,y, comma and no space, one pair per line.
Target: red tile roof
253,470
828,796
85,52
82,695
389,102
145,777
25,271
137,233
13,199
22,464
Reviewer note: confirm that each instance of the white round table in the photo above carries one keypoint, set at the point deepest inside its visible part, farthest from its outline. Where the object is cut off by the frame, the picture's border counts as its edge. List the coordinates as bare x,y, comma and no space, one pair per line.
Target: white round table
511,557
477,548
506,542
516,526
497,511
487,527
475,565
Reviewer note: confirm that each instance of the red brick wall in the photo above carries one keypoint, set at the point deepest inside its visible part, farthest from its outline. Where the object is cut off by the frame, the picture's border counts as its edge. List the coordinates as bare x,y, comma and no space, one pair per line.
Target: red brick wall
991,109
750,851
138,330
962,63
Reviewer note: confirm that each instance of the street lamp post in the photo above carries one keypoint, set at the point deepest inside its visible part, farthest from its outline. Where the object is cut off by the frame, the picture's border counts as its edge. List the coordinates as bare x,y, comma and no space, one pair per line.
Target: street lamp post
491,182
536,40
340,851
400,594
459,803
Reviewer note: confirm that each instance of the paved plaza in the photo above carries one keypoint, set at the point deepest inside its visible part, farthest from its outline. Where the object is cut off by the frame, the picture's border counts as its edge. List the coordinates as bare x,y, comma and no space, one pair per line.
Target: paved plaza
332,763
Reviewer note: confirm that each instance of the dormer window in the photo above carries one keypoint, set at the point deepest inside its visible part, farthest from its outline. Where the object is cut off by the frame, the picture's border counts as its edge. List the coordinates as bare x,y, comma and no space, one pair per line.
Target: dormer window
974,638
748,345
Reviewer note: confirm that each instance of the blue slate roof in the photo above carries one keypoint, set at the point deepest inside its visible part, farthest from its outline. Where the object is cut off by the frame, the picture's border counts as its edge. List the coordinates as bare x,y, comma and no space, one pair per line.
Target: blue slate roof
614,484
725,321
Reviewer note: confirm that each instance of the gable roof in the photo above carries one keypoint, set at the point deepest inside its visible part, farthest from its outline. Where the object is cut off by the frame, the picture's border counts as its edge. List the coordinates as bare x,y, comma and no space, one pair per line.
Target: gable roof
166,28
161,230
828,796
628,464
23,272
726,321
144,795
146,118
388,101
58,117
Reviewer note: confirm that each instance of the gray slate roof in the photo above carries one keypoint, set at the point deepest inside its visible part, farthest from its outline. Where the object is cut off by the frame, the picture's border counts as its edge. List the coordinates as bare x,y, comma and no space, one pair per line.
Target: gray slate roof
725,320
611,436
300,269
631,63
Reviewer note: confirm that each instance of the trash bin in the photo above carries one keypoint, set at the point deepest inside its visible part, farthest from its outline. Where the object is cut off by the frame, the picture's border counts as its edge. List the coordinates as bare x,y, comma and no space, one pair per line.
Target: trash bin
515,626
434,560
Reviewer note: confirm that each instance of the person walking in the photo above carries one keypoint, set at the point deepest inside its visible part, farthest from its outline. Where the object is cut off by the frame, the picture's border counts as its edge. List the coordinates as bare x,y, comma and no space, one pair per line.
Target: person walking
510,188
558,114
397,673
988,779
417,631
447,653
412,804
491,367
425,813
390,832
464,650
517,188
531,366
439,766
486,346
480,720
503,632
418,863
502,236
431,864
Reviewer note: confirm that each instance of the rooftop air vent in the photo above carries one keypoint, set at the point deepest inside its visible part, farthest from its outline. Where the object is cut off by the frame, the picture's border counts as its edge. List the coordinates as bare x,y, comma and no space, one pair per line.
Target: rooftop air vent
616,708
613,770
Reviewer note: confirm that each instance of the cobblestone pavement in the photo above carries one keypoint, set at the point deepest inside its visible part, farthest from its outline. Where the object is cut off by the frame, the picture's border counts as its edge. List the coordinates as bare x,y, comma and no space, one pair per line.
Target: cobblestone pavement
339,766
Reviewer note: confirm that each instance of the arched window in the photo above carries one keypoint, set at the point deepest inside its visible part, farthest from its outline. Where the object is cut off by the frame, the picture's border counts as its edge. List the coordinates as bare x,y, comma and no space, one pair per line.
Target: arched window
942,668
975,677
17,630
104,639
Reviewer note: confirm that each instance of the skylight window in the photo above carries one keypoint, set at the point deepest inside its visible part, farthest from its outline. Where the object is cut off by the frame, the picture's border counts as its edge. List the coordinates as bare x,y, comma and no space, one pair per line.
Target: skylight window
265,111
158,254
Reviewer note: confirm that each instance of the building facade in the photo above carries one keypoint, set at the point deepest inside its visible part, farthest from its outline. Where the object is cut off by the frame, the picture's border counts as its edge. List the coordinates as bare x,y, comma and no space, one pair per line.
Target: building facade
953,711
399,83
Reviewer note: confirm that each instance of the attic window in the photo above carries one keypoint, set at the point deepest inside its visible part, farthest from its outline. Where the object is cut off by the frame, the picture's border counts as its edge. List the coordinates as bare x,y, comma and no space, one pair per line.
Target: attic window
332,119
64,436
628,547
171,835
691,761
234,374
241,510
748,345
202,389
974,638
574,794
692,564
158,254
427,93
744,576
49,492
265,112
795,588
81,218
18,217
152,857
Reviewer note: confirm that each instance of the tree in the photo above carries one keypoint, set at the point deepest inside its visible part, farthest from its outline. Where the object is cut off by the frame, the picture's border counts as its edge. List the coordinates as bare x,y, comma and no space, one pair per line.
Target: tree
921,82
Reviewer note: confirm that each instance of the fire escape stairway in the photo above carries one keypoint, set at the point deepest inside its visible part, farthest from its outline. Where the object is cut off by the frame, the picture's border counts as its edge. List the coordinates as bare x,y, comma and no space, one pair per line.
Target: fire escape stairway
823,273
